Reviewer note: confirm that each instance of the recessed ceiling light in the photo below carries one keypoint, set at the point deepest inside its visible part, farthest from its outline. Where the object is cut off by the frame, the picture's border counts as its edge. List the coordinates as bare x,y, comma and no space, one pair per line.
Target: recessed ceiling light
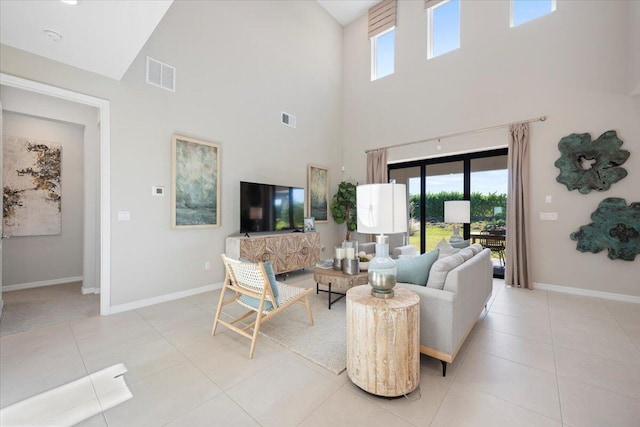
70,2
53,35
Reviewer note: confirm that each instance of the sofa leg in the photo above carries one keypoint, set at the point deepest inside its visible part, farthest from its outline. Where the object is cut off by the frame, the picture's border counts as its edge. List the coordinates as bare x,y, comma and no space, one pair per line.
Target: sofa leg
444,368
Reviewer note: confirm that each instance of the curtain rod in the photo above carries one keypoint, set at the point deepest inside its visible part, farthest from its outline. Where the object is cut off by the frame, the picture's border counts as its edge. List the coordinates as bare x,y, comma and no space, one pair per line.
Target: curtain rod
438,138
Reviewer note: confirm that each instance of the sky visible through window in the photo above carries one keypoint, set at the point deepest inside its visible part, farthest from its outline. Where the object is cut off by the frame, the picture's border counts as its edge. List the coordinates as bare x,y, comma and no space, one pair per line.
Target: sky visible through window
384,54
446,27
486,182
527,10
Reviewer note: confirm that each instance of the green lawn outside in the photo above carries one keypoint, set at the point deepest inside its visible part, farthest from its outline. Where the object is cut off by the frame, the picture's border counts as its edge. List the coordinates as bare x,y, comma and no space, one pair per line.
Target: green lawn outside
435,233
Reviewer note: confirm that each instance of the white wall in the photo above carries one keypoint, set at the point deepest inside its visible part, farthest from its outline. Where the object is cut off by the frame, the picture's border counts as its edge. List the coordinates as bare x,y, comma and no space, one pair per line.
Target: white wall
634,47
29,103
571,65
239,64
28,259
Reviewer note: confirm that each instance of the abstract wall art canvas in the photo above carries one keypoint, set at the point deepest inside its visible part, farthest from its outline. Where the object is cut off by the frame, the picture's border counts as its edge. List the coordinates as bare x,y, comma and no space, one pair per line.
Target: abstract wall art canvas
318,183
32,193
196,183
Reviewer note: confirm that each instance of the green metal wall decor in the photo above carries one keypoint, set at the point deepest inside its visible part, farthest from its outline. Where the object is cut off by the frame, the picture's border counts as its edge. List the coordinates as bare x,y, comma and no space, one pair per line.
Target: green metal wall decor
588,165
615,227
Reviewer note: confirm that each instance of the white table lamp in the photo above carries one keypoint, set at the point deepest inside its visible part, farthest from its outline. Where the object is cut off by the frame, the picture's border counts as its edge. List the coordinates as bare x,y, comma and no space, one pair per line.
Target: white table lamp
457,212
382,209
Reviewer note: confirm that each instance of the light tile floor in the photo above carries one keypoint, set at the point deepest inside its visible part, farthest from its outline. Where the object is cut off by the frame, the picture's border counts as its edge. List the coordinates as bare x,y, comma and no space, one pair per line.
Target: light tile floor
536,358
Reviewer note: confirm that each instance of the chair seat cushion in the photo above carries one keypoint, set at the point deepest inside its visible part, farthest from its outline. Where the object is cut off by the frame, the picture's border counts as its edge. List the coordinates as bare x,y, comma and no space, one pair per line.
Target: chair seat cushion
252,302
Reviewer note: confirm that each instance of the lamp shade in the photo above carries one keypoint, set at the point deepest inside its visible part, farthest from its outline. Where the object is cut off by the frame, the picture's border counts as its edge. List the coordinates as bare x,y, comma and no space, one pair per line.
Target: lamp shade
457,212
382,208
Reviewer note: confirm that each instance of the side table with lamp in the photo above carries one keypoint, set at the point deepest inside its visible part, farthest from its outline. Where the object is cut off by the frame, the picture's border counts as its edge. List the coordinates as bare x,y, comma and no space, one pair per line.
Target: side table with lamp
383,326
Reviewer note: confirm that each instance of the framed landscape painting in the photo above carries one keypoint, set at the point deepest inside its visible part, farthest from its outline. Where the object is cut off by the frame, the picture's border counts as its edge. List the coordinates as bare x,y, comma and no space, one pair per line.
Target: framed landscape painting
318,198
195,182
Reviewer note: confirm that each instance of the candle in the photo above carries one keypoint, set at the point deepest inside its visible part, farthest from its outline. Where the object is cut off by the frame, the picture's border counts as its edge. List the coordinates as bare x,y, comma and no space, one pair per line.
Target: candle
351,253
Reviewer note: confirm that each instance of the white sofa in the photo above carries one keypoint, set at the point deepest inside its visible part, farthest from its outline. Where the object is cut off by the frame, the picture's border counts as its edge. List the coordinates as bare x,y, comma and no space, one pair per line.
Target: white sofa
447,315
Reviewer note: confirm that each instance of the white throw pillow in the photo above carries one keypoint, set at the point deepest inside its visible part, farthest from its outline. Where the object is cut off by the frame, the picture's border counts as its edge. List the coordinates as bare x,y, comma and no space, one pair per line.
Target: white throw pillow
440,269
477,248
445,249
466,253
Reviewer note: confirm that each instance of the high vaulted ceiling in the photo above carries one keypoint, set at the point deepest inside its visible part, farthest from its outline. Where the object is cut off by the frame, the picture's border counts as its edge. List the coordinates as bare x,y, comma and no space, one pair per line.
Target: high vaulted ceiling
104,37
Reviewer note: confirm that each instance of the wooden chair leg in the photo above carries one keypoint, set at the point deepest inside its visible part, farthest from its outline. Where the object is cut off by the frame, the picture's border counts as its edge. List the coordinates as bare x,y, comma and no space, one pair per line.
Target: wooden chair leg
256,331
306,302
215,320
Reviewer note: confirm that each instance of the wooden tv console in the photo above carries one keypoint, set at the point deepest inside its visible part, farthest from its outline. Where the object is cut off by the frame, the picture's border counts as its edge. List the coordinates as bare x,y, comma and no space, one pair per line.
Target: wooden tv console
287,251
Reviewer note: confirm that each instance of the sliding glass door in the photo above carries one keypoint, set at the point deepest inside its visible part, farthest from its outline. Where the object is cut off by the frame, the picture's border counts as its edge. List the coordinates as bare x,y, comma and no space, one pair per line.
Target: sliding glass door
478,177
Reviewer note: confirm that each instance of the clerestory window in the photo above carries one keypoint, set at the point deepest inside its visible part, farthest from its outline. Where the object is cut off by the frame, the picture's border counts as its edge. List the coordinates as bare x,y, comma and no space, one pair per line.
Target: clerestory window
443,27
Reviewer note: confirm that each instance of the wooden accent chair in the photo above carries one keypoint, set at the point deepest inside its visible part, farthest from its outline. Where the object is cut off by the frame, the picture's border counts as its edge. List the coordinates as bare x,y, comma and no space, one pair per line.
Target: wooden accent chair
253,291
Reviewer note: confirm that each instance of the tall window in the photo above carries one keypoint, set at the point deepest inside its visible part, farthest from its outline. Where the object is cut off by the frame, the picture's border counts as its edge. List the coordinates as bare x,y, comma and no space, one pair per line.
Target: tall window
382,31
479,177
382,54
443,27
526,10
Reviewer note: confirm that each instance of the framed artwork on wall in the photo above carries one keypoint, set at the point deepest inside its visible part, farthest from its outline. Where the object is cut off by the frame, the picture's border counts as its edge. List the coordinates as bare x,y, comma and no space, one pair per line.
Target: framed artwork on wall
32,191
195,172
318,194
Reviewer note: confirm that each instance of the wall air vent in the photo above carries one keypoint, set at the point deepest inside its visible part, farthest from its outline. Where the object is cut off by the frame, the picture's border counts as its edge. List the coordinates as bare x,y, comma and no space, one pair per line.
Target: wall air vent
288,119
161,75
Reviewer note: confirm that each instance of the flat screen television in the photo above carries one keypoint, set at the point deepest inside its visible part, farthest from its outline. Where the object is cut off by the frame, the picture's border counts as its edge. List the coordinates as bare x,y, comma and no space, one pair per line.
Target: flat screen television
265,207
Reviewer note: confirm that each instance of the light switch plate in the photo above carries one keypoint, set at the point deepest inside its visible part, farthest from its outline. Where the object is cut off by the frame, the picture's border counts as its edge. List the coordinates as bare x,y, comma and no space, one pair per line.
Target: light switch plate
548,199
548,216
124,216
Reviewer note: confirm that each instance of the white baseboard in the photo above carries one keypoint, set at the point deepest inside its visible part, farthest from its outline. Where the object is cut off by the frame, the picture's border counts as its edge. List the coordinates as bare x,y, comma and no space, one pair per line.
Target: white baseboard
93,290
587,292
163,298
40,284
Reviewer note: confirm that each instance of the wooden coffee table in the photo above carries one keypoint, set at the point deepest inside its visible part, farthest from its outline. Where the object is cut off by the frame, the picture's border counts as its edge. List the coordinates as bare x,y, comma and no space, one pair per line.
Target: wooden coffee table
334,279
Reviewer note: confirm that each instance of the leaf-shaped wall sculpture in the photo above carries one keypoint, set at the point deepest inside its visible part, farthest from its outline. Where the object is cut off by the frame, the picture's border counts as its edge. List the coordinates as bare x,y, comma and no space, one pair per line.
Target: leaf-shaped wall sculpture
577,151
615,227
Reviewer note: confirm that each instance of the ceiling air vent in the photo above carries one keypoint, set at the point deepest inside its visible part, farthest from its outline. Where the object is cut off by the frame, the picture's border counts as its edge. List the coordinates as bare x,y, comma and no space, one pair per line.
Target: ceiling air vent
288,119
161,75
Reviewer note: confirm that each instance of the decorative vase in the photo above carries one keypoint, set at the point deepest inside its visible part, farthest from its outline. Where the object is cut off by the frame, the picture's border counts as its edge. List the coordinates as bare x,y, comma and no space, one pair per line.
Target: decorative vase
382,270
350,267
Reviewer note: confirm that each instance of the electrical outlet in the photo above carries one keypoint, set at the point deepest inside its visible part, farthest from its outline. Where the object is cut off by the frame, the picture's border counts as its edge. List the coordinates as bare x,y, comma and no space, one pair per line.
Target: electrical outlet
207,265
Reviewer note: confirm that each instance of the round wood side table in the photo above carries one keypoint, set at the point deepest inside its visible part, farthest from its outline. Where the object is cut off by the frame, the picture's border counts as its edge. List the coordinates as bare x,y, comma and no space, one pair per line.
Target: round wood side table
383,341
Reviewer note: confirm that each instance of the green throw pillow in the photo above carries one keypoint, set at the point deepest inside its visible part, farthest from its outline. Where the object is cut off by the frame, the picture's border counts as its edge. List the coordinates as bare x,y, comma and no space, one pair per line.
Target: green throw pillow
462,244
415,270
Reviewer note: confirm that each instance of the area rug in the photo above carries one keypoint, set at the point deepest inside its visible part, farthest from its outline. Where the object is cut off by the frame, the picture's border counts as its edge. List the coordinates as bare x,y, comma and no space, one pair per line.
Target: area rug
325,343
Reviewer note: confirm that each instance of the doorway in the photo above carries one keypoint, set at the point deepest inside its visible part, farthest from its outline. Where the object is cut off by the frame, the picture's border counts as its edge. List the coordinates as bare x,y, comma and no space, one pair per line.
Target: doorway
480,177
104,239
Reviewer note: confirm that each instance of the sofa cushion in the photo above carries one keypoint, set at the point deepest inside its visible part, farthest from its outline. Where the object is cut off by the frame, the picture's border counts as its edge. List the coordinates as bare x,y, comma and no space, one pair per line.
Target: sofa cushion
416,269
476,247
466,253
460,245
441,268
445,249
